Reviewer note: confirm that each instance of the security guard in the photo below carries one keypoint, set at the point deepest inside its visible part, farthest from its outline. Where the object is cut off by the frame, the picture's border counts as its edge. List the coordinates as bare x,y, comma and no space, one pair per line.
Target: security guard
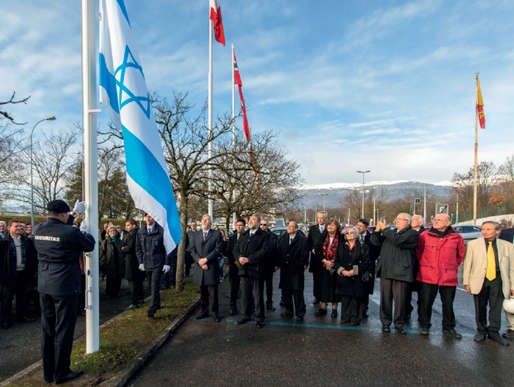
59,246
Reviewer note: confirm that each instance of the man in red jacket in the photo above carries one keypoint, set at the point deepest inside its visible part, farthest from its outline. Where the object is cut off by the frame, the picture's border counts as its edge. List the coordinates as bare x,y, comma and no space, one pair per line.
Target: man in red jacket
440,251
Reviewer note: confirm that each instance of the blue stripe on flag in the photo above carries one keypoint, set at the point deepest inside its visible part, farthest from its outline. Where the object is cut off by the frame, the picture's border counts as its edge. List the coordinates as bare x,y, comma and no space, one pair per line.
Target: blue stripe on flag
157,184
121,4
108,82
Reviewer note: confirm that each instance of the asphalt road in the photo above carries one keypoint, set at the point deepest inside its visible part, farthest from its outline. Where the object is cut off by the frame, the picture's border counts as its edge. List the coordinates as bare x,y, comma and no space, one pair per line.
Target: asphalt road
20,345
321,351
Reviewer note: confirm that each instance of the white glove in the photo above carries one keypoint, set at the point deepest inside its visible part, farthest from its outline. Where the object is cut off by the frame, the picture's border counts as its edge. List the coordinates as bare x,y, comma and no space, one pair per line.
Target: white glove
80,207
166,268
141,267
83,226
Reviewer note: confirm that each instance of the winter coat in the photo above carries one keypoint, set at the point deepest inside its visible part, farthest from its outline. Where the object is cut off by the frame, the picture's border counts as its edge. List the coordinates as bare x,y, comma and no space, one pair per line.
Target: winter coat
128,249
210,248
439,257
356,259
397,254
292,260
111,258
256,249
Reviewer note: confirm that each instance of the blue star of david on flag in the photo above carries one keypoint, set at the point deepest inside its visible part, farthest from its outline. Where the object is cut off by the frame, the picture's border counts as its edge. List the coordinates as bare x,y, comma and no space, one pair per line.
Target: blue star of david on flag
123,89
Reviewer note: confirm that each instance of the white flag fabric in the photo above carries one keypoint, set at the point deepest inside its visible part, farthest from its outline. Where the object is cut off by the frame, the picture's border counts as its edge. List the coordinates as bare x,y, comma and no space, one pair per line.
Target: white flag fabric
123,90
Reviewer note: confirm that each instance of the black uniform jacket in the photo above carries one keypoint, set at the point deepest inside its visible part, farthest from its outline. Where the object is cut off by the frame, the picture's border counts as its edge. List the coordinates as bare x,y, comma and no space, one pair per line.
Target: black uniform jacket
292,258
256,249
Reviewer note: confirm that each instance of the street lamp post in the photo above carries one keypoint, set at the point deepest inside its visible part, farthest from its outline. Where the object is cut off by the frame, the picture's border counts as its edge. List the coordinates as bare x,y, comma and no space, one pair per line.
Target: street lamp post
49,118
324,201
363,173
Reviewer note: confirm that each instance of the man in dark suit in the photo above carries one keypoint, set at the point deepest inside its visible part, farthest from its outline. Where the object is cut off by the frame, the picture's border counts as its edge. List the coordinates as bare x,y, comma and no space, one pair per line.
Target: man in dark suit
507,234
270,265
374,253
233,264
252,251
316,267
132,274
59,247
152,258
293,259
206,248
188,261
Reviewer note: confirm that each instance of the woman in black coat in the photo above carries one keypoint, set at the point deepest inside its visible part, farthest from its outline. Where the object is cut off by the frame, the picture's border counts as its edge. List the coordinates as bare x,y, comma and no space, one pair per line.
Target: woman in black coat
352,261
111,262
326,250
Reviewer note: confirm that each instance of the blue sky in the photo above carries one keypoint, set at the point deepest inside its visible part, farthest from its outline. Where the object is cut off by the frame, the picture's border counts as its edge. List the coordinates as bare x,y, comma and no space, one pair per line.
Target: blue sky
386,86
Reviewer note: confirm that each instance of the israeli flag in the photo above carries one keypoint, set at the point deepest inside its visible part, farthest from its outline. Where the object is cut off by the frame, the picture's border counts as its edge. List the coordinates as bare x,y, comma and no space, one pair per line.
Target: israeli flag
123,90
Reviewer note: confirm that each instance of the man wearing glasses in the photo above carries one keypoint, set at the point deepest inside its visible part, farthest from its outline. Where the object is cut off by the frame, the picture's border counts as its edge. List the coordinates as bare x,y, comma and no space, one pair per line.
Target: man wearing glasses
395,268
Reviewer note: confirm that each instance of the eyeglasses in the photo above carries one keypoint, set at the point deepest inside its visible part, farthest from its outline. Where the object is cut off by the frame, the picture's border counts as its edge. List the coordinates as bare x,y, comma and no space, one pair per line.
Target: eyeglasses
264,224
352,232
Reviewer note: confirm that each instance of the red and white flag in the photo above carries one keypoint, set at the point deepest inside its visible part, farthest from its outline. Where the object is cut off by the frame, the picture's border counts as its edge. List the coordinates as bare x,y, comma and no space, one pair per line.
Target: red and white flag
215,16
239,83
237,76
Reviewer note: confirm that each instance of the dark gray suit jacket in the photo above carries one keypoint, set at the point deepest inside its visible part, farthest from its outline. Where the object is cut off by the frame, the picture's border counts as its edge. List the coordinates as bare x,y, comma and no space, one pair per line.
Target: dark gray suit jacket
211,249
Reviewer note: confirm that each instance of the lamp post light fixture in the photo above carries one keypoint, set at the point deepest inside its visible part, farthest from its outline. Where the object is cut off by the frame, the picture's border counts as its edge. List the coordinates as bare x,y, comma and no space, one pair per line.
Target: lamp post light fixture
49,118
363,173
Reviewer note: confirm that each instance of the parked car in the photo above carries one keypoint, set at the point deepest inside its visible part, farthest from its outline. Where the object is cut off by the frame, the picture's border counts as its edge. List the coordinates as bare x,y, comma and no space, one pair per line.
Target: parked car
278,231
468,232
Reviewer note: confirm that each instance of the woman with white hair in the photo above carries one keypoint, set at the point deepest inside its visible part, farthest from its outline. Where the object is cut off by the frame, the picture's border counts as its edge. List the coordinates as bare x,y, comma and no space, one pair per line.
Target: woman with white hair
351,263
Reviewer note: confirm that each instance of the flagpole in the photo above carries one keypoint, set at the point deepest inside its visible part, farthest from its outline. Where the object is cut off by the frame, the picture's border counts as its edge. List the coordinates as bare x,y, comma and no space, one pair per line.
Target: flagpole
233,131
89,104
475,165
209,123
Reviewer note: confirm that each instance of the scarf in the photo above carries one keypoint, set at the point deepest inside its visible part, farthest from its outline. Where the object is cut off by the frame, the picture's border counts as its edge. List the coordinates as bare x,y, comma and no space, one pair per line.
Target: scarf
14,260
330,253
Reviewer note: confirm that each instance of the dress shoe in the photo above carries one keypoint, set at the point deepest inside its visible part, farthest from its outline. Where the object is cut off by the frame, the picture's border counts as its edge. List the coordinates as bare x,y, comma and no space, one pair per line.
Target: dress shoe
215,317
479,337
72,375
334,313
151,314
281,303
509,334
401,330
232,312
451,333
345,321
365,314
320,312
315,302
299,318
423,331
386,329
202,315
243,320
27,319
286,314
259,324
49,380
269,306
6,325
132,306
355,323
495,336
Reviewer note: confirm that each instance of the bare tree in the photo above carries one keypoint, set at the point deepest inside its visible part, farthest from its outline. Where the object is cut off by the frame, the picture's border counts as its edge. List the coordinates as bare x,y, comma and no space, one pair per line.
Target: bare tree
12,101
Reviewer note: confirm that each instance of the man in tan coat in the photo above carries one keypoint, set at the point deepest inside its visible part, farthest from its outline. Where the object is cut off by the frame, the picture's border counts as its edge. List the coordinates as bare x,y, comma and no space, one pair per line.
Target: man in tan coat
488,274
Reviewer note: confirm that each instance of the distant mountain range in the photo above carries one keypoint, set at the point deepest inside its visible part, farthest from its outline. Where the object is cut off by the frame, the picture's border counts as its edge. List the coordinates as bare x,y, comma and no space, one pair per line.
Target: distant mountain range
332,194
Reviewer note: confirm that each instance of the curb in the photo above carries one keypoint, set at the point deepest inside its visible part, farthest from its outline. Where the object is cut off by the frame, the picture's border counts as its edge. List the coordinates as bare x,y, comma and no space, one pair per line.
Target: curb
120,378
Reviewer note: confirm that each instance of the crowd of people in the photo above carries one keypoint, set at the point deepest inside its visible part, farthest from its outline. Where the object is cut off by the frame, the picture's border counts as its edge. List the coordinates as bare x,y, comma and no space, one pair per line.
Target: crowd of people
344,261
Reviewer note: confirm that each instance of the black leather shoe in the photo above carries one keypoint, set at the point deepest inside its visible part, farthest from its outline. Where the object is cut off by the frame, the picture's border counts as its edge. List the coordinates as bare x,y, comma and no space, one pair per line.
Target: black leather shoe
132,306
269,306
424,331
72,375
315,302
286,314
232,312
260,324
334,313
202,316
299,318
49,380
215,317
451,333
27,319
401,330
6,325
320,312
243,320
479,337
386,329
151,314
281,302
355,323
495,336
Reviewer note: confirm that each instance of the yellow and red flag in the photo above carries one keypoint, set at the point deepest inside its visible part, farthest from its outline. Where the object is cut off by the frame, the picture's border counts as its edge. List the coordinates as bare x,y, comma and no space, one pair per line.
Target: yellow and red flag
480,106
